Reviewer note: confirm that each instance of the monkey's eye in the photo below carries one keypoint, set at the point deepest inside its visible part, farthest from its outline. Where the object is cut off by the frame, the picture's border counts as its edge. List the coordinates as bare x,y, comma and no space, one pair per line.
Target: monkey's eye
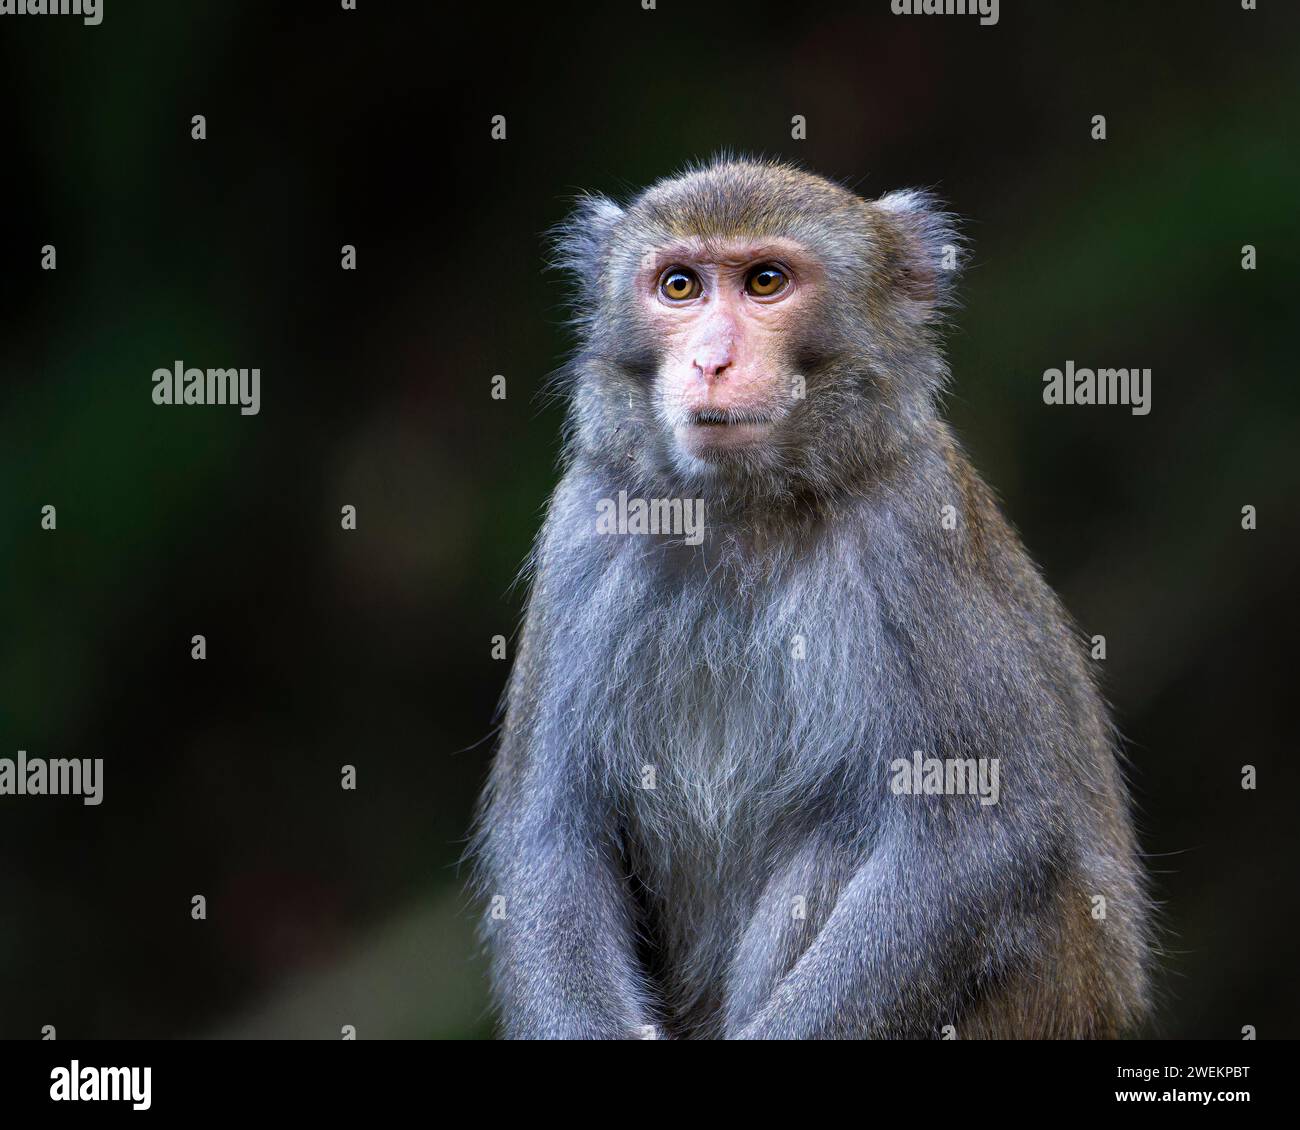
678,284
765,281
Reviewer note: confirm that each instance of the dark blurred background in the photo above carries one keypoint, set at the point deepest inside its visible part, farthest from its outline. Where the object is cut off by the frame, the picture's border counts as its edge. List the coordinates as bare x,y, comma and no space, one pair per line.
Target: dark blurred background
372,648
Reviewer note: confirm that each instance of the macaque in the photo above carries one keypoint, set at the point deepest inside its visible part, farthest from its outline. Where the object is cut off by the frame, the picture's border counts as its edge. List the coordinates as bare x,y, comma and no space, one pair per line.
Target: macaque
743,783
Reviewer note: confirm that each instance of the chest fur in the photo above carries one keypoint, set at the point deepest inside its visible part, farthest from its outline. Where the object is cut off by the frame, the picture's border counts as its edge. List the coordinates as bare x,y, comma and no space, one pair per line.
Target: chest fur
725,701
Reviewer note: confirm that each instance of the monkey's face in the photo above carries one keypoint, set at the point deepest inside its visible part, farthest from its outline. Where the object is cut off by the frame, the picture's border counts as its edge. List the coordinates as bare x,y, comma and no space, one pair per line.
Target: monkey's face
755,327
725,314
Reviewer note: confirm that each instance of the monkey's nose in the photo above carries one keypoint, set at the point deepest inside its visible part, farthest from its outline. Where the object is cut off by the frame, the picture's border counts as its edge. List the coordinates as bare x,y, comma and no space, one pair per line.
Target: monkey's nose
710,369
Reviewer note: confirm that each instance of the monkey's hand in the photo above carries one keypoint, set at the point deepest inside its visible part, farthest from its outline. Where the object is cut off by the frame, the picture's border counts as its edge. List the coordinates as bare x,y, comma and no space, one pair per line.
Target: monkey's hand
945,900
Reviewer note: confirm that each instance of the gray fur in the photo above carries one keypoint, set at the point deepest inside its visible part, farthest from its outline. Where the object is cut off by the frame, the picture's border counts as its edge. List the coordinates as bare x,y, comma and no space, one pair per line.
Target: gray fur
627,907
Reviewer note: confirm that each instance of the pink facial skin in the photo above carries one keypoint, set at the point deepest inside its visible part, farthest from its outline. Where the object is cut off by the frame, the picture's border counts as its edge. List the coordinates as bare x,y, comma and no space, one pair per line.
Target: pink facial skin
725,383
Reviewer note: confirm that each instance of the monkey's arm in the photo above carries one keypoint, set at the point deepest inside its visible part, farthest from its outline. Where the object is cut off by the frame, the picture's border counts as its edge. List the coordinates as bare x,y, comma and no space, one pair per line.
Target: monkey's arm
564,962
945,901
560,920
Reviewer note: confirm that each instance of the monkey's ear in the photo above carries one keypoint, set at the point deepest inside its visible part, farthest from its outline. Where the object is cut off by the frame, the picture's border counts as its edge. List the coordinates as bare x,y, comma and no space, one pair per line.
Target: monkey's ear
924,251
580,243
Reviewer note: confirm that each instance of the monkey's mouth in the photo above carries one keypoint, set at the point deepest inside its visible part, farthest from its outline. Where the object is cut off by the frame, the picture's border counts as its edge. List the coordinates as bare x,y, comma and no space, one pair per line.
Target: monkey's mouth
712,432
722,418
